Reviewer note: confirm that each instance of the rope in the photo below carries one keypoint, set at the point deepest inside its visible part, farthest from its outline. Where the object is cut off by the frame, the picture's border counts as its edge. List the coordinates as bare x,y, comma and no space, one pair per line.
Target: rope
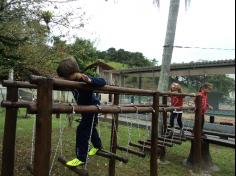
129,132
58,144
33,133
197,47
3,98
91,132
32,142
164,131
137,121
99,130
115,129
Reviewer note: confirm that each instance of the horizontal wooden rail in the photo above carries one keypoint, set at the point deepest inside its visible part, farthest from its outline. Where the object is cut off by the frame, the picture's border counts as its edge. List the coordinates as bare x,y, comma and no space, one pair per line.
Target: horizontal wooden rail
60,84
65,108
178,94
19,84
177,108
18,104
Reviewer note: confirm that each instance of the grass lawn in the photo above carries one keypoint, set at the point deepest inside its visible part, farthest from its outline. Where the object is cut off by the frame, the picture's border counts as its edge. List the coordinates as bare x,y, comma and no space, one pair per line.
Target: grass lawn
223,157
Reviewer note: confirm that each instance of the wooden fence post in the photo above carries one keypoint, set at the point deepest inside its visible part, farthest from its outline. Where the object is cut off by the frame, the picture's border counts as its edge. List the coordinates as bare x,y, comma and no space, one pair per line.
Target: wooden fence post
8,151
195,156
43,127
154,136
113,145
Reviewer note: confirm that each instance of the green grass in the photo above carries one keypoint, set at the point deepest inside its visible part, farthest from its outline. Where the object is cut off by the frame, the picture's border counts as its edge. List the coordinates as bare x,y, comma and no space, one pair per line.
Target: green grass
117,65
223,157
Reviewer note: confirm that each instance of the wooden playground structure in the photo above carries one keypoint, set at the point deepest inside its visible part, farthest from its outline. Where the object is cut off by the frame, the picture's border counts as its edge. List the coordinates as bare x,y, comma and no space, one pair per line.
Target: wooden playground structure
44,107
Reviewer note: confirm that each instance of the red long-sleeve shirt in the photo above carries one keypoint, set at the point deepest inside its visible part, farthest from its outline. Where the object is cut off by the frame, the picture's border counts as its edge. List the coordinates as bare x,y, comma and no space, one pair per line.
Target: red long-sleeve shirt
177,101
205,104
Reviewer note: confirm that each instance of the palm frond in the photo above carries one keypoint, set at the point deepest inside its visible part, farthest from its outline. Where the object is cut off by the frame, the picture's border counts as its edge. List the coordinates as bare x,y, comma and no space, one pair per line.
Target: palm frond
187,4
157,2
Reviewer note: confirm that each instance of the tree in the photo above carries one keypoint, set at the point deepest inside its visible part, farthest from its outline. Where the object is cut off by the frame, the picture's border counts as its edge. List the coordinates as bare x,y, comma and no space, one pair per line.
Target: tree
132,59
83,51
25,37
168,46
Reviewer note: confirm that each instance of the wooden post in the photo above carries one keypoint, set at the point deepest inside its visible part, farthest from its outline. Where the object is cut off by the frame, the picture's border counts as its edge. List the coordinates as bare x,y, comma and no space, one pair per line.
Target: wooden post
195,156
43,127
8,151
113,145
154,136
197,134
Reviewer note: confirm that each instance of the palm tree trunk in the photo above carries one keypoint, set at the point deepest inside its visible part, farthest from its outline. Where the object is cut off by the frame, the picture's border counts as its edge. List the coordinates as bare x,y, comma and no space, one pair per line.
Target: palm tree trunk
168,46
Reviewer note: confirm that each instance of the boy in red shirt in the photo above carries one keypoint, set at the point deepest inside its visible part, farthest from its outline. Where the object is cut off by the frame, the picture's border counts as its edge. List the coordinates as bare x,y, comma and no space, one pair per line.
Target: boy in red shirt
204,90
176,101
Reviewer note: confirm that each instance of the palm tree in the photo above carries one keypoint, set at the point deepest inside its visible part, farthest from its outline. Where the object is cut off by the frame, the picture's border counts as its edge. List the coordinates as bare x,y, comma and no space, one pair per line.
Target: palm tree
169,42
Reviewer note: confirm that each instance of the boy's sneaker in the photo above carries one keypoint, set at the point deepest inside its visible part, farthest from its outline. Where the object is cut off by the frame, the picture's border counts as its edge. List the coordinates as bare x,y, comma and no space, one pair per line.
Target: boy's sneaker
93,151
75,162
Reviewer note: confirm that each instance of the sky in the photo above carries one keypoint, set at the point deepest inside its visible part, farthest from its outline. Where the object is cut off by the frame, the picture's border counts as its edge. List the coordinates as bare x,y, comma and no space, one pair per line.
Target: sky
139,26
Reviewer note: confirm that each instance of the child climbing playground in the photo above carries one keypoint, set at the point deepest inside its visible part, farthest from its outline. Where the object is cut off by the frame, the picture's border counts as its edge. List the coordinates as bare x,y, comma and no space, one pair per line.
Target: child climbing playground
68,69
203,92
176,101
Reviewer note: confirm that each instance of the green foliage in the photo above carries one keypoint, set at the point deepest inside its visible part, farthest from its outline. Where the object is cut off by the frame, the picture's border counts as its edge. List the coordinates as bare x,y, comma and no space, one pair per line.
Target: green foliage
221,83
117,65
83,51
132,59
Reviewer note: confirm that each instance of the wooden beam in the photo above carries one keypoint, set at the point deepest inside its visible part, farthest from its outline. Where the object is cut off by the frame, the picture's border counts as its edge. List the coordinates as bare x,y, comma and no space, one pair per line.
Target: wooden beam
80,172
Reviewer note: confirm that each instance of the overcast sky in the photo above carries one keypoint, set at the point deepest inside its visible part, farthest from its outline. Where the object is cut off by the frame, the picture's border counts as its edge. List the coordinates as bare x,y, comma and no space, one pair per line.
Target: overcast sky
138,25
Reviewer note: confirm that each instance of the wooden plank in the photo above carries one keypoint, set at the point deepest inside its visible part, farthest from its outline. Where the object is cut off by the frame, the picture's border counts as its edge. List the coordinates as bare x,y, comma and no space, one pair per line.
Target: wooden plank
160,143
80,172
110,155
175,141
137,153
9,136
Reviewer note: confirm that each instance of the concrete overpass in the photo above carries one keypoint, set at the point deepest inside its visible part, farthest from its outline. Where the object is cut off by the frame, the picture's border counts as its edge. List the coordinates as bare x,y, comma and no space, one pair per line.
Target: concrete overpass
219,67
184,69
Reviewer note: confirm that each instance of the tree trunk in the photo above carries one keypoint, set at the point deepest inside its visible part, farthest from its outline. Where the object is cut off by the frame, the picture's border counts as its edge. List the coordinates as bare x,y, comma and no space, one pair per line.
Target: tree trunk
168,46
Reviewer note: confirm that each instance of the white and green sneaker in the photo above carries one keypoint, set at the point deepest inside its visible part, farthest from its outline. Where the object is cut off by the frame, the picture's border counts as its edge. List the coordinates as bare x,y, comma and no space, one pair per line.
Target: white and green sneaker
93,151
75,162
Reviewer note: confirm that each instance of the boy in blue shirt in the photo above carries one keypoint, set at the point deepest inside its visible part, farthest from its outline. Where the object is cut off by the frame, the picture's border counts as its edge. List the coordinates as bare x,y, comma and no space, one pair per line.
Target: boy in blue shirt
68,69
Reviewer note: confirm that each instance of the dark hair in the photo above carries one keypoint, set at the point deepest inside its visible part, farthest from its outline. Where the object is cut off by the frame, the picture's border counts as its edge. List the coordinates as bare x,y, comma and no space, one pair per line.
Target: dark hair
206,86
67,67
